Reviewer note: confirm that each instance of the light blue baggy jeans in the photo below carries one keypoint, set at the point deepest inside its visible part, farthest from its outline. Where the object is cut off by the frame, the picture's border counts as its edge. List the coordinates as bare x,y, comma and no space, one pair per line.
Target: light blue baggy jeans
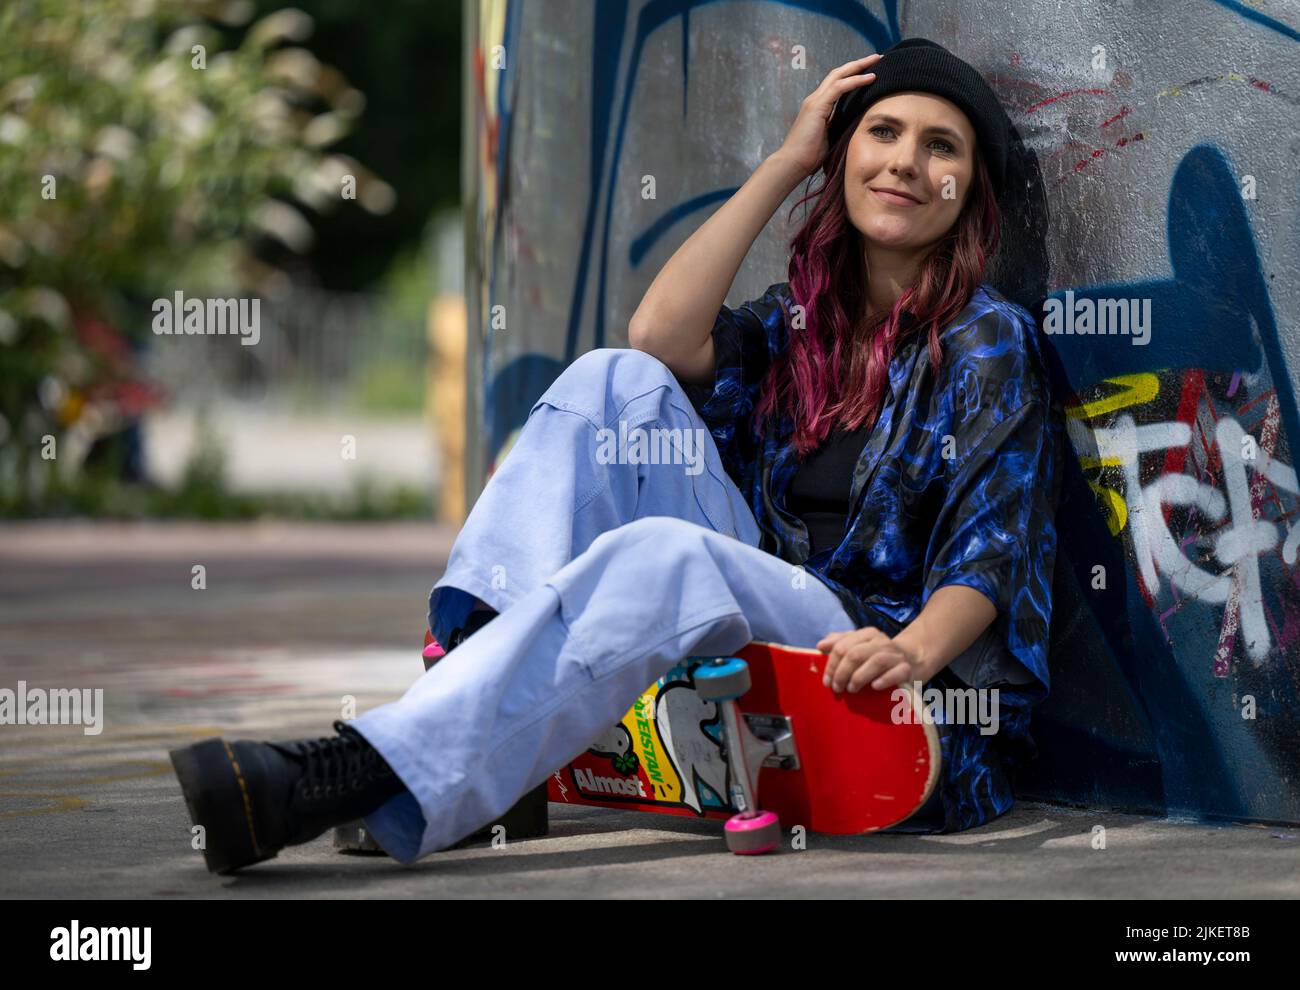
606,571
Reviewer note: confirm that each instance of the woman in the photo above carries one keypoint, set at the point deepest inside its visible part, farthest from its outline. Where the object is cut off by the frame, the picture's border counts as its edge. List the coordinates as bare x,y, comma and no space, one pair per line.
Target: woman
882,419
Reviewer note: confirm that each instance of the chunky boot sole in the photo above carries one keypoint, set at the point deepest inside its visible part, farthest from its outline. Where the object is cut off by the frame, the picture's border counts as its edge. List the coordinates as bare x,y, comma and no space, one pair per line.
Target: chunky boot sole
527,819
217,797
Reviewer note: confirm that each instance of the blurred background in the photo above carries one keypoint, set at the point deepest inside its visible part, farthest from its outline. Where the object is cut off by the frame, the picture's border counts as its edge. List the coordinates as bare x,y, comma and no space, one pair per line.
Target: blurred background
224,532
308,158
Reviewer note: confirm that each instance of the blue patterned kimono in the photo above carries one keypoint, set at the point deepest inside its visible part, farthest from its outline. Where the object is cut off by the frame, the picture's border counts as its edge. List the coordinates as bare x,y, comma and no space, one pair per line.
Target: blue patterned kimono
983,516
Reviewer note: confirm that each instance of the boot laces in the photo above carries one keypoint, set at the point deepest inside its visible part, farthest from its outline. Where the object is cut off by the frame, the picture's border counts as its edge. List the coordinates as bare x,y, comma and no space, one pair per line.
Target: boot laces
336,766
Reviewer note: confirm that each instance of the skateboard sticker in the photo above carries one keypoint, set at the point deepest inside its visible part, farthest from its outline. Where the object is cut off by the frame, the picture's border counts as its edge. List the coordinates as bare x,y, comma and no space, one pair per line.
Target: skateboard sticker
665,753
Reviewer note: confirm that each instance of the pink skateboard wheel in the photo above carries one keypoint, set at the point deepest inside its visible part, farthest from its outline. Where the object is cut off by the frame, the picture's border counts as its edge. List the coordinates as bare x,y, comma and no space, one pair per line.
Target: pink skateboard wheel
753,833
433,651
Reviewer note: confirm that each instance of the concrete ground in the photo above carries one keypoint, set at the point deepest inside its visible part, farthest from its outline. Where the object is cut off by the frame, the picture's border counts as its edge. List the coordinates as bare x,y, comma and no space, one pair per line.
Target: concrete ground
294,619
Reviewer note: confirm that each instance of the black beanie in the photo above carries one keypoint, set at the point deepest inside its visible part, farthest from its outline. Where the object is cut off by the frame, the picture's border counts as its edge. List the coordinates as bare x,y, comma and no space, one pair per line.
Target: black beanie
918,64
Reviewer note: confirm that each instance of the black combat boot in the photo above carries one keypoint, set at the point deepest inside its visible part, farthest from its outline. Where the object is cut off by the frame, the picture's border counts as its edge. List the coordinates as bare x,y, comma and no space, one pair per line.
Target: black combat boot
254,798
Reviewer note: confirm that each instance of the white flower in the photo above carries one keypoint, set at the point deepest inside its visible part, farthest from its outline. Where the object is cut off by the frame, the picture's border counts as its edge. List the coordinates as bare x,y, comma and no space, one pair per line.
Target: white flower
296,66
290,24
43,302
377,196
12,129
161,77
284,223
116,142
19,91
8,333
323,129
195,120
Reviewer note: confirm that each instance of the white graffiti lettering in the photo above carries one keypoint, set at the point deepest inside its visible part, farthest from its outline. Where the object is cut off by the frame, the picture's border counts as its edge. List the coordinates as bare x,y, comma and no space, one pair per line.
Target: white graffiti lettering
1238,545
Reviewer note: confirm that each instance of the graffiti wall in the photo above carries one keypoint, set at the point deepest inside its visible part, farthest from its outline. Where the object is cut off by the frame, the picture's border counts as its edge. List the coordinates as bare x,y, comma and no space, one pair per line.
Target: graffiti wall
1152,231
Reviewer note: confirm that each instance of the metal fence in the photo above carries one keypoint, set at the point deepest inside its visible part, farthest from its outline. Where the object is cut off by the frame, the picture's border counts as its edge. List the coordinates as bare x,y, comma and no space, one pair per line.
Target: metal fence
312,345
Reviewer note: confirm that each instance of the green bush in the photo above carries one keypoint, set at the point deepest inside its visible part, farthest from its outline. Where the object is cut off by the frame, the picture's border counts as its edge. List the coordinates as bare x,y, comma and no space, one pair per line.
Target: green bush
143,145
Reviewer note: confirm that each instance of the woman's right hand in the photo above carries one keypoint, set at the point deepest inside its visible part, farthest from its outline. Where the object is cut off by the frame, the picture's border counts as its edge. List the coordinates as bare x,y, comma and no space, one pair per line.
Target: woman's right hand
806,144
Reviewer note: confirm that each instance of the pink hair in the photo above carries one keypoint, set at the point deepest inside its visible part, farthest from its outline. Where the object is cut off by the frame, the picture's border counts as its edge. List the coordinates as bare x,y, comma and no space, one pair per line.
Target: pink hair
835,369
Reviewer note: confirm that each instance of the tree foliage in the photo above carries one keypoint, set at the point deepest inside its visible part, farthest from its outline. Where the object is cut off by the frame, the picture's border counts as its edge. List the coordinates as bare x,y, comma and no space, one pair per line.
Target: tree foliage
144,146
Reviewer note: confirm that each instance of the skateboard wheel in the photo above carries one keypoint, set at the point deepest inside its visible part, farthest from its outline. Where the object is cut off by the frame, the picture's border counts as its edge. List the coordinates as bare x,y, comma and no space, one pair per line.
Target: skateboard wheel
725,681
432,653
751,833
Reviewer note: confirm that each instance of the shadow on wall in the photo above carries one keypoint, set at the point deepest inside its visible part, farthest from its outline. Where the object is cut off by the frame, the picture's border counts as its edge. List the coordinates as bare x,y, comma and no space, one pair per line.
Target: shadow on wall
1175,603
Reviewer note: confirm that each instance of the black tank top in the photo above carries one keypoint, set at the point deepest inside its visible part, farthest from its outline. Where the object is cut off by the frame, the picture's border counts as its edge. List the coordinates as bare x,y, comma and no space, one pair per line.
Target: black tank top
819,490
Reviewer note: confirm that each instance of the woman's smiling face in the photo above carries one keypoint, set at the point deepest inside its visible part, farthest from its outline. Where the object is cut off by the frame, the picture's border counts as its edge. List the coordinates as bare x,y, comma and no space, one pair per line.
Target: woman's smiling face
918,144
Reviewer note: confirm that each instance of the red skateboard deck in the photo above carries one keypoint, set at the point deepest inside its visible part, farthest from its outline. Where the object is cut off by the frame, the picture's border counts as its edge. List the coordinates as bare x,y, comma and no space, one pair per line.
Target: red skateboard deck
861,762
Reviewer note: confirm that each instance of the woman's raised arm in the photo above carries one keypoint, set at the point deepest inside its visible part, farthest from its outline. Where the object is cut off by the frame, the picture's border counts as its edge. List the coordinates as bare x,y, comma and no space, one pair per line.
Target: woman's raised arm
676,315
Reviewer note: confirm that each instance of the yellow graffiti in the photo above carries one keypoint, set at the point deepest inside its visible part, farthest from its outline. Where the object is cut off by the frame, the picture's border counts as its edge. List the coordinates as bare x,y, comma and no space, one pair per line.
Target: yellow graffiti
1116,510
1230,76
1134,390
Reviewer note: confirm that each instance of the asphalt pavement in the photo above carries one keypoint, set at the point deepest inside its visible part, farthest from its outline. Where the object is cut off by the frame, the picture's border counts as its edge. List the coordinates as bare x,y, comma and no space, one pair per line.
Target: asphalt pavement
294,621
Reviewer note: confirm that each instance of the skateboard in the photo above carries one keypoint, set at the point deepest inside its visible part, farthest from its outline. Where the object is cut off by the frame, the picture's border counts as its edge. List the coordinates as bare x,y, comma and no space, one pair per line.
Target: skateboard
758,740
716,735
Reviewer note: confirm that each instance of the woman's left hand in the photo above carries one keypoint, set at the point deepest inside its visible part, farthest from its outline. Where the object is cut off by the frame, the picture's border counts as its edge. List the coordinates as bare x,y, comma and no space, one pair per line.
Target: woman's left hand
867,655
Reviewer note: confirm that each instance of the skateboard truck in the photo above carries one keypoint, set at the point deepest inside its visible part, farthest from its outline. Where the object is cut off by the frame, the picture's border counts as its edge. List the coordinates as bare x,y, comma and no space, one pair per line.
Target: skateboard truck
776,731
750,742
